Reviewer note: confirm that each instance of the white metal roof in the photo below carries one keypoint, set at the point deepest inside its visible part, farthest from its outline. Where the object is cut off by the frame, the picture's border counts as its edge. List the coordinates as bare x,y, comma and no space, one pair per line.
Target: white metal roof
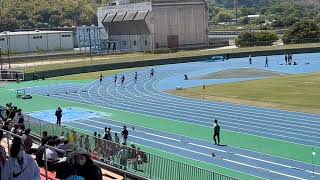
141,15
8,33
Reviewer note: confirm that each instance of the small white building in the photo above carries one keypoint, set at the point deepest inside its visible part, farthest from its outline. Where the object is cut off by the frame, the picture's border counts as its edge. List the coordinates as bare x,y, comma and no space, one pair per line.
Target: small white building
32,41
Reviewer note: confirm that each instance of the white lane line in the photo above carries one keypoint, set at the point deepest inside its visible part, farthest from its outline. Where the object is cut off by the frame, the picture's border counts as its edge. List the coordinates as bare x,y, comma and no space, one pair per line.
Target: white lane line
203,154
188,122
210,148
241,108
172,117
204,121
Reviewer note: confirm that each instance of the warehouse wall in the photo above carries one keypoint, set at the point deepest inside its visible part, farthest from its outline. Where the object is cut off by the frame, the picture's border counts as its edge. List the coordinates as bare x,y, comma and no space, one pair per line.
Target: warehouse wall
188,21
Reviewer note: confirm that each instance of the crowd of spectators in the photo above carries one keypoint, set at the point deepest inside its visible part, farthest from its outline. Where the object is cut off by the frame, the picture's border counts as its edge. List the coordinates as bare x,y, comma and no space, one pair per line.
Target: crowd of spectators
69,155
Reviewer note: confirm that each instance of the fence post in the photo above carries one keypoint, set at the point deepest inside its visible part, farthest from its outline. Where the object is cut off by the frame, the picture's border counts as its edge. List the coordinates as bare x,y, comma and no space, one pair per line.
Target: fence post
45,161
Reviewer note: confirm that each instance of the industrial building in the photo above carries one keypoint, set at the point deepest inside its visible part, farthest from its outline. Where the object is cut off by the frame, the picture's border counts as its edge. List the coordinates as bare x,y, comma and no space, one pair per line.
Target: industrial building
32,41
155,24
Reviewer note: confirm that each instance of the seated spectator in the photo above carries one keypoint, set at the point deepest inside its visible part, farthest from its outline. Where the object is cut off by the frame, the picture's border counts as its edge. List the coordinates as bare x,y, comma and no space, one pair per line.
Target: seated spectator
83,165
7,126
63,169
20,166
69,148
52,155
142,157
62,142
62,136
3,154
15,128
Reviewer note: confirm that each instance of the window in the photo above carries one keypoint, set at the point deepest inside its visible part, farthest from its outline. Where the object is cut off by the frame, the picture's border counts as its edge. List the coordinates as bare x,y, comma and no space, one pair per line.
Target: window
1,39
37,37
146,43
66,35
124,43
134,42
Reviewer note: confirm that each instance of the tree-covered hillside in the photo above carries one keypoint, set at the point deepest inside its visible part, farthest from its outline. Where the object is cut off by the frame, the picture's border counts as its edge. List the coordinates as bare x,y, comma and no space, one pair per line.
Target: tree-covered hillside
23,14
282,13
16,14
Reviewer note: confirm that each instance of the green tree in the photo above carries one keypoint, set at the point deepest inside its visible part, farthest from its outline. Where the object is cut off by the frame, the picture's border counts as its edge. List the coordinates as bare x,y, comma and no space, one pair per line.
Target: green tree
261,38
303,31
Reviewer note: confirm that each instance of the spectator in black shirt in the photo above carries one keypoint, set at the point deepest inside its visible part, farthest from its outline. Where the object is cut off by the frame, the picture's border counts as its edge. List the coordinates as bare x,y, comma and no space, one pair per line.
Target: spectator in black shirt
124,134
59,115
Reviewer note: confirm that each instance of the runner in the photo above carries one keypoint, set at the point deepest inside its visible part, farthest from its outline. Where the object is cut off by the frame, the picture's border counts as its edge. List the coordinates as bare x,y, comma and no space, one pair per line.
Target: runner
122,79
101,77
151,73
216,133
135,77
267,62
286,59
115,79
250,59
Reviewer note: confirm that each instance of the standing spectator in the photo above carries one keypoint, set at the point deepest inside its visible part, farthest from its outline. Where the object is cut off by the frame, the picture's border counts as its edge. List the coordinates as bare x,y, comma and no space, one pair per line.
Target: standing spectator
124,134
40,151
87,144
81,141
20,166
216,133
123,155
95,139
20,118
3,154
74,136
27,141
59,115
116,138
45,135
109,134
83,165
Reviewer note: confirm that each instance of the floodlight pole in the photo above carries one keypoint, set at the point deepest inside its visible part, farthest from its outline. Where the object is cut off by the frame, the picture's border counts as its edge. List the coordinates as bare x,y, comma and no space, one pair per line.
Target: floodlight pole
89,31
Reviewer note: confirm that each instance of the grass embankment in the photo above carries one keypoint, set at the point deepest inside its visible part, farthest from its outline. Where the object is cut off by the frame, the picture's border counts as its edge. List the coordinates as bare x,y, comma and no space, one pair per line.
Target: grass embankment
53,64
292,93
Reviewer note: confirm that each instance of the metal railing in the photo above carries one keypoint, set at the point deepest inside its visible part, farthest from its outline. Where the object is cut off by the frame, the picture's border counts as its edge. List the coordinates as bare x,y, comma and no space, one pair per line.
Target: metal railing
123,157
8,135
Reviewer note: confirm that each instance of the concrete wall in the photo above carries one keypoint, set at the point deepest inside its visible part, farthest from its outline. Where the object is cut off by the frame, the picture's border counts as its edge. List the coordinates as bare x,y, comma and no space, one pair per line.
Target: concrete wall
133,42
36,42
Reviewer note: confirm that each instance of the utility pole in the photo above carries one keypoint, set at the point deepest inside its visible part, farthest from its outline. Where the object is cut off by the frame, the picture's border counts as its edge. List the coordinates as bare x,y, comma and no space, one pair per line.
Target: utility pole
0,58
8,51
236,9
